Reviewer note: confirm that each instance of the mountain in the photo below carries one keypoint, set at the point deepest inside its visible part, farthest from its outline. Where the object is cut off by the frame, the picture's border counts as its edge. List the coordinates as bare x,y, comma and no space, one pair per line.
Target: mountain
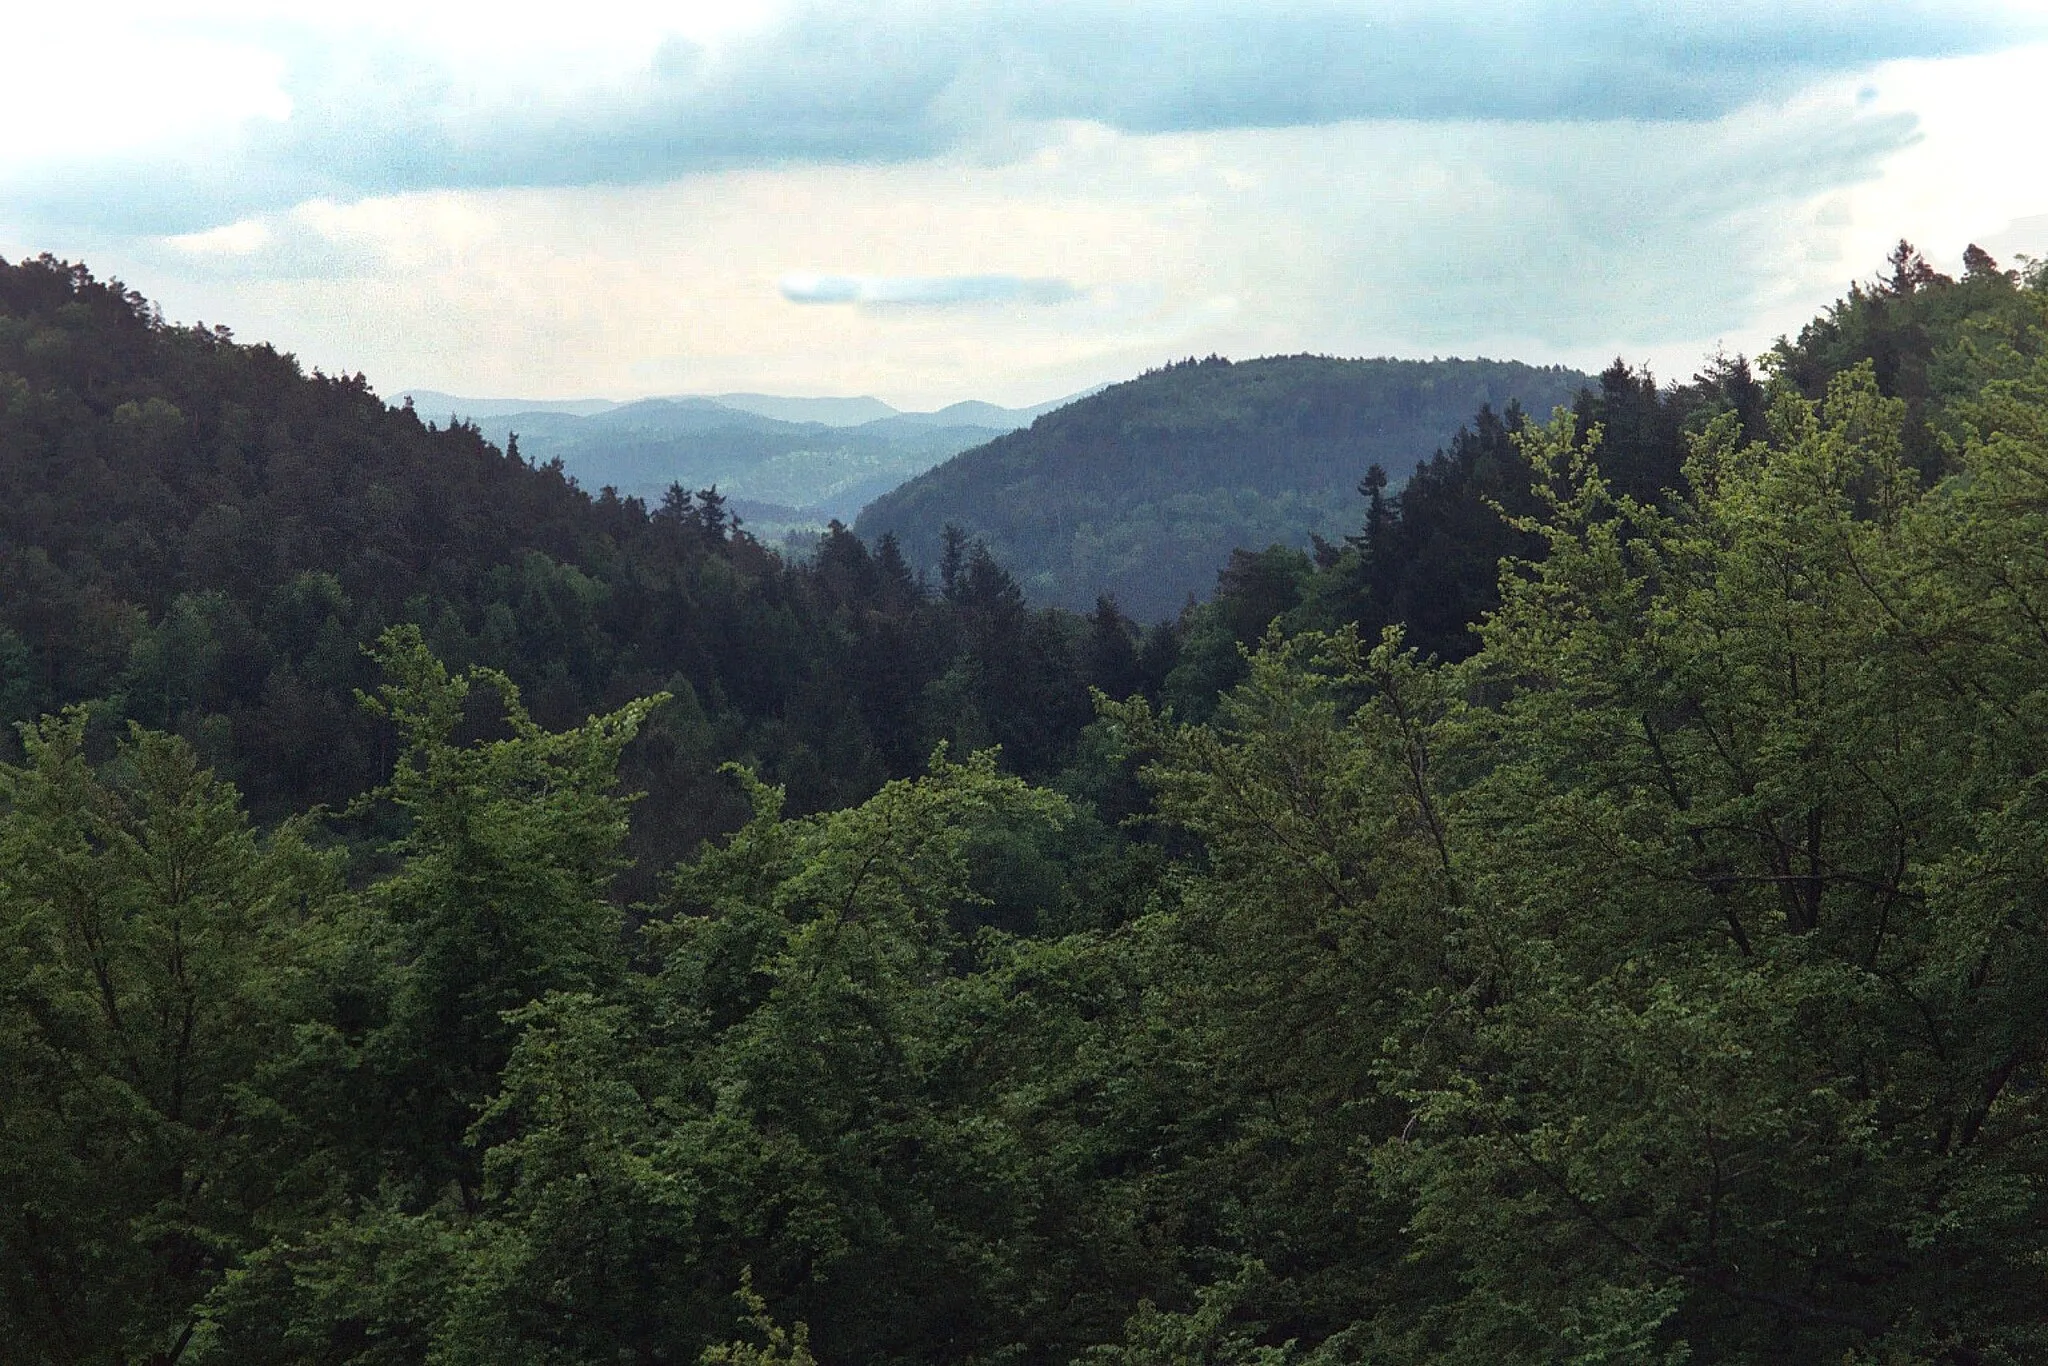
831,412
796,463
1143,489
855,412
434,405
974,413
816,472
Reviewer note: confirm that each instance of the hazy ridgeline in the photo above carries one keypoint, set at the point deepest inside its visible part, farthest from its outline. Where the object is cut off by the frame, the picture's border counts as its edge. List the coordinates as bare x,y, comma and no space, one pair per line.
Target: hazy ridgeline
1652,973
787,464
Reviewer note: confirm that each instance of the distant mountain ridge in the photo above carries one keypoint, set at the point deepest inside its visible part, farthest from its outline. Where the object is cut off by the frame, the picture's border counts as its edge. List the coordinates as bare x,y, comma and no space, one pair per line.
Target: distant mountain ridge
1143,489
827,411
792,462
435,405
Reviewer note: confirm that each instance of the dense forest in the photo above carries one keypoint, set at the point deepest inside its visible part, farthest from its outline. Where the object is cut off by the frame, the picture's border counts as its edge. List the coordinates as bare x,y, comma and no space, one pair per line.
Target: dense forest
1143,490
1596,911
199,538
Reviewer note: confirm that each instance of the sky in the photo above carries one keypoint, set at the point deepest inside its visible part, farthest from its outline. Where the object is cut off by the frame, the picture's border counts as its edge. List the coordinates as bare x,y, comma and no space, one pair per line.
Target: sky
1007,199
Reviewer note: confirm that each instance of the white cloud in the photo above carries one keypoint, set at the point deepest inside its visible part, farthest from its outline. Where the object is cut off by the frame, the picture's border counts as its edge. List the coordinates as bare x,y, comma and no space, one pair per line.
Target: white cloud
245,238
924,291
1542,239
83,85
216,113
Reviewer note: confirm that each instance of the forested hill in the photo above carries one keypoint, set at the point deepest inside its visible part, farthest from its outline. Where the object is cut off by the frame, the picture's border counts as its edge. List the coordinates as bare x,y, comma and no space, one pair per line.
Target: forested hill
197,536
1142,490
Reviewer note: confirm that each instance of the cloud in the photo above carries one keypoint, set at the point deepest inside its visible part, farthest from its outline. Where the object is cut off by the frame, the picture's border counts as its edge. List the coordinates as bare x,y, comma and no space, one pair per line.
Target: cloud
925,291
309,242
1544,241
348,113
1569,239
2025,237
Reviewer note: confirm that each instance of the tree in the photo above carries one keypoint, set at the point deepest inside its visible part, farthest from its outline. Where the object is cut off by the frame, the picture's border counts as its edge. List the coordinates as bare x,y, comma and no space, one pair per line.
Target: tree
495,920
952,557
1707,837
1668,954
1978,262
1910,270
150,972
1374,487
1111,653
500,898
712,516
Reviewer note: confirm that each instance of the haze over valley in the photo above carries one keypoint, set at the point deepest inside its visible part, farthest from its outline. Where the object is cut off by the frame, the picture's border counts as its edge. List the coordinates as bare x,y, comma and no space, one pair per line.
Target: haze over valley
788,464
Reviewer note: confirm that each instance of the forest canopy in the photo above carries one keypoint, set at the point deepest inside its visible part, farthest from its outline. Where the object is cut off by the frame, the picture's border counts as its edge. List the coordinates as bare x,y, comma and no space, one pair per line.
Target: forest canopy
1650,973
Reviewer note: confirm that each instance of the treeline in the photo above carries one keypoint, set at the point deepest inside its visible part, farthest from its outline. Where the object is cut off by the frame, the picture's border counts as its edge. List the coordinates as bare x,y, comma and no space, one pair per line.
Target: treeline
1655,978
1427,550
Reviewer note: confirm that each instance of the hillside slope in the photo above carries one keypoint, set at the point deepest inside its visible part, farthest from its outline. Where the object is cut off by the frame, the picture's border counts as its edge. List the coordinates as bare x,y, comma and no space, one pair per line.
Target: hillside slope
1143,490
198,536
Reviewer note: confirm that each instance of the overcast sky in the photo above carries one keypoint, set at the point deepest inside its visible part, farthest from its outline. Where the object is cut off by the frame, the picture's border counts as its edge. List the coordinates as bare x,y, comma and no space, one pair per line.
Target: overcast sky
1007,199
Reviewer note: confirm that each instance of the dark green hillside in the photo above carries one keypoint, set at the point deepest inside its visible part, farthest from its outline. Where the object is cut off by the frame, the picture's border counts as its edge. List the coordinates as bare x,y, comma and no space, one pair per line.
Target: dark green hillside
1143,490
197,536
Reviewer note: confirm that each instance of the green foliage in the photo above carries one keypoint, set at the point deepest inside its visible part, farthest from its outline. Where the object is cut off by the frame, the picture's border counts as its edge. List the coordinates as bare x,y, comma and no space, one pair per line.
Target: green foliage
1711,1065
1660,981
151,974
844,1091
1205,1336
1680,1048
778,1347
484,955
500,899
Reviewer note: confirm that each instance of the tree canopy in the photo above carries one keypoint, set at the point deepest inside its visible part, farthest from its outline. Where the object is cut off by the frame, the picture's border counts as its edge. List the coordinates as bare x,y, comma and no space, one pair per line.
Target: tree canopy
1655,978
